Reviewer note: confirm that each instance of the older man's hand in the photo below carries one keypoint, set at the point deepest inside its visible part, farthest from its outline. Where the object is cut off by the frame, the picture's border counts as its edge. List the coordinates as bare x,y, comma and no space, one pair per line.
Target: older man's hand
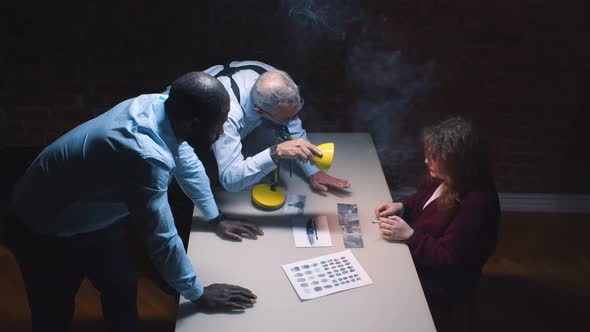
321,181
298,149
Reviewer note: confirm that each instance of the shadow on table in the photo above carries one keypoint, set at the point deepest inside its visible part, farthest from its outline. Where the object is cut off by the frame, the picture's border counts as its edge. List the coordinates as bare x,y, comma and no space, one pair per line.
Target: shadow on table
340,193
264,222
187,309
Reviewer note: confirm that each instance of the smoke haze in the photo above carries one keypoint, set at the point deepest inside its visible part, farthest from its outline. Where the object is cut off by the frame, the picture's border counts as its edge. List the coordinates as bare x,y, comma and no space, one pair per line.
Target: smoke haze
386,83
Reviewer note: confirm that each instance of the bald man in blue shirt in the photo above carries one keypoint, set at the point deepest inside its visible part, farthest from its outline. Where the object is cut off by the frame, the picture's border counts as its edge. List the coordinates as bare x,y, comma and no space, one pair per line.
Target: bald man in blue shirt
69,204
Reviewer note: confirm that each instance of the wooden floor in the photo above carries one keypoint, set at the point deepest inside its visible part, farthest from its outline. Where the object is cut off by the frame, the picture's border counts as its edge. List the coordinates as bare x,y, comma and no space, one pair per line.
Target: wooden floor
538,280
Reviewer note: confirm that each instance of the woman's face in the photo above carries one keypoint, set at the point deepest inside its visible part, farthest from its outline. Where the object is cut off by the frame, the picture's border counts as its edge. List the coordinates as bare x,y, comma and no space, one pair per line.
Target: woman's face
435,168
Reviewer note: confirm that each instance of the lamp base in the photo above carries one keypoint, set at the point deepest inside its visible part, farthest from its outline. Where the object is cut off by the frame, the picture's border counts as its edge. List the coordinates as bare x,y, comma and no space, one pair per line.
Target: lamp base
265,197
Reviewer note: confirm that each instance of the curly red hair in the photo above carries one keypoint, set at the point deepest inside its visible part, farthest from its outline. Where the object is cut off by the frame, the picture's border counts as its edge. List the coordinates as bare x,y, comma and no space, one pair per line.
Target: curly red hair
462,155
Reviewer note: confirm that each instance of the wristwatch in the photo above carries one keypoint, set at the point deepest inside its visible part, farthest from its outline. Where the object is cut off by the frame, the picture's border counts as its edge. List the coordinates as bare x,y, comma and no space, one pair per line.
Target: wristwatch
274,154
215,221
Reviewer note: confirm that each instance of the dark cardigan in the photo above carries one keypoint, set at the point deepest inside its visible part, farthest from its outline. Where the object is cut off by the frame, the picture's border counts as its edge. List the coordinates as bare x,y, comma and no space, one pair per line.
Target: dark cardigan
450,249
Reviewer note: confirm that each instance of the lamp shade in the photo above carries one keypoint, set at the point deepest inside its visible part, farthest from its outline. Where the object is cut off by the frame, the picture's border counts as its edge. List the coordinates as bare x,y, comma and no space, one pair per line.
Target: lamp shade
325,161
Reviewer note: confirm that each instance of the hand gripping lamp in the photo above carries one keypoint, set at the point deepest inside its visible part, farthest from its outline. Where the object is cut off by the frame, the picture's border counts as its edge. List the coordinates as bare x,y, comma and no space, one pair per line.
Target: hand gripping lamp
270,197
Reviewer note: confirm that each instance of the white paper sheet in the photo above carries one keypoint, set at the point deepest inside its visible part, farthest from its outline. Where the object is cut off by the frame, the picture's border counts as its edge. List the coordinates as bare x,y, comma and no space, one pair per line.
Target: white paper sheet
311,231
326,274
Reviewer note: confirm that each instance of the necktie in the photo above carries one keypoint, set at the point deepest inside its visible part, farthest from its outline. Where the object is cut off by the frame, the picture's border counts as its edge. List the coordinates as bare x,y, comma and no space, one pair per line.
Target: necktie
281,134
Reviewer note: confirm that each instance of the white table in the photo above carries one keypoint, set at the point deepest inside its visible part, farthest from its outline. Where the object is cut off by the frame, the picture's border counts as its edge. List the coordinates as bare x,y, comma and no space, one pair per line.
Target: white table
394,302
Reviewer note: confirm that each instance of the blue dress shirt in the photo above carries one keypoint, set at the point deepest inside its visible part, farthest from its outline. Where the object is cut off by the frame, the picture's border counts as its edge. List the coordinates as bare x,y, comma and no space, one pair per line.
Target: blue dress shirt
118,163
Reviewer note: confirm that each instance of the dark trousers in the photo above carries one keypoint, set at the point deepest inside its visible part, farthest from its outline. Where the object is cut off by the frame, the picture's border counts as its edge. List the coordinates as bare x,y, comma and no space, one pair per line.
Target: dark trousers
53,269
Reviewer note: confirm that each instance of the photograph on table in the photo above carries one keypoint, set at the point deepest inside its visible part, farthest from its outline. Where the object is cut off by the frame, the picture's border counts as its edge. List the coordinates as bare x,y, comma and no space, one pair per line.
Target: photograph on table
351,235
348,220
311,231
347,213
294,204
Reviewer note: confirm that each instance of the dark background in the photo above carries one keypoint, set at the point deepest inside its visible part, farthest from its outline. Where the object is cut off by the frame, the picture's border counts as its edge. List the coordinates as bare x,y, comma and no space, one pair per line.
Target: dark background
518,69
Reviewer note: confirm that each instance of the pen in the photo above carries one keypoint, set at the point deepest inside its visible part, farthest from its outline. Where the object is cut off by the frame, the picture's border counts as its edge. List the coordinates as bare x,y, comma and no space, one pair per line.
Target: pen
311,231
315,230
377,221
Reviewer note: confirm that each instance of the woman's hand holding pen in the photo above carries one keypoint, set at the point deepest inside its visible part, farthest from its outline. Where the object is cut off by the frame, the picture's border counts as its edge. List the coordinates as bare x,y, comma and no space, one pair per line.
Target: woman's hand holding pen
385,209
394,228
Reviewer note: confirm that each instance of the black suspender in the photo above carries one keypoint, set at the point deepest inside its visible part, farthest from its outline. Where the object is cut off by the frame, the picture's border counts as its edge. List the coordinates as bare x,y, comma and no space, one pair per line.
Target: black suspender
228,71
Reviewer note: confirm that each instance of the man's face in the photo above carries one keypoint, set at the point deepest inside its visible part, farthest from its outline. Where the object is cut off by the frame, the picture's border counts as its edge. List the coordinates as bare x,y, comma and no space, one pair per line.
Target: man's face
206,134
283,114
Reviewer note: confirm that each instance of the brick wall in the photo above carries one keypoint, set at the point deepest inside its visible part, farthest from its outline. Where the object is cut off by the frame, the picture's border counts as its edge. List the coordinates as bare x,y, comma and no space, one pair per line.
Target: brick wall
518,69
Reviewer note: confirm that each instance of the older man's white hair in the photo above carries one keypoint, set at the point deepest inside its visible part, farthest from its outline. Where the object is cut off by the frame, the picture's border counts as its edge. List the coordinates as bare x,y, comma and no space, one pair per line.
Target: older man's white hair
273,90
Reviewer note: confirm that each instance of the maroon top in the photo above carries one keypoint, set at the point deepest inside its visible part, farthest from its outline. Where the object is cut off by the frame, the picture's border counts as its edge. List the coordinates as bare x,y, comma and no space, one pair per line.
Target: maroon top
450,249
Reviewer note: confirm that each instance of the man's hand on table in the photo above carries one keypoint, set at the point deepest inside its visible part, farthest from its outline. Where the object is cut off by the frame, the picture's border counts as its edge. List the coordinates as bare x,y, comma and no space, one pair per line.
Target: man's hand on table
237,229
321,181
225,297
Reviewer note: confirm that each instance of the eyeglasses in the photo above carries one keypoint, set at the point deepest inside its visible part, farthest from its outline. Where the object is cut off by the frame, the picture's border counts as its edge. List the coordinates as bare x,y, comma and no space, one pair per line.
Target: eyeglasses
301,102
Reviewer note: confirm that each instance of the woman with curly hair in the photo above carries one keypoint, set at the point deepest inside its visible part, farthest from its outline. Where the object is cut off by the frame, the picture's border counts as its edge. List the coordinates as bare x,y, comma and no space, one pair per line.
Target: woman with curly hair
451,223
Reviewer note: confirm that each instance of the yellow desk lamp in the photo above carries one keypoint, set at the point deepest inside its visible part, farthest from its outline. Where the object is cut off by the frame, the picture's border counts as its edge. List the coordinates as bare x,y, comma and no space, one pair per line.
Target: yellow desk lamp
325,161
269,197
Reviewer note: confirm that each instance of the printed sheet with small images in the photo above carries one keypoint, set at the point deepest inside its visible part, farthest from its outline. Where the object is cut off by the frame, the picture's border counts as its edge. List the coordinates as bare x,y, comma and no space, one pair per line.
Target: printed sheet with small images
326,274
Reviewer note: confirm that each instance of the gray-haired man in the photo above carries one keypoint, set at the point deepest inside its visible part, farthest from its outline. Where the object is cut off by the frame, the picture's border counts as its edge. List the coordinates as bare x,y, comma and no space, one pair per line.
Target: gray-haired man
260,93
